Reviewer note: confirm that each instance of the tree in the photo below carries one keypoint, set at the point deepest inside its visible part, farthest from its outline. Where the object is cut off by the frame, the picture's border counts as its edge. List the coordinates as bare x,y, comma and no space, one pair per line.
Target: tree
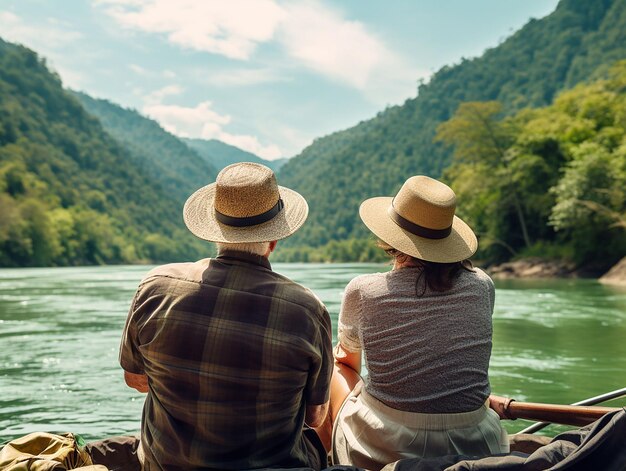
566,163
478,136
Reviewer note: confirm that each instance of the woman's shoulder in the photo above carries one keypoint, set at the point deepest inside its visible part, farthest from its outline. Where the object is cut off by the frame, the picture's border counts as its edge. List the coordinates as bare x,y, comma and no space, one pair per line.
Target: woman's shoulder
478,276
482,275
365,280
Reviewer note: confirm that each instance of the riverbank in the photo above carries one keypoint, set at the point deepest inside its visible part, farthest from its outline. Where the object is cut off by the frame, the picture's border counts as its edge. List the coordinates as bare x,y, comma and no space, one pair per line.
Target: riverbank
535,267
616,275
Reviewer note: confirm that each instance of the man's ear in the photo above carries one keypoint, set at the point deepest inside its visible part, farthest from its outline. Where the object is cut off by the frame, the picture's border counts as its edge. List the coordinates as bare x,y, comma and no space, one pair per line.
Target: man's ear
273,245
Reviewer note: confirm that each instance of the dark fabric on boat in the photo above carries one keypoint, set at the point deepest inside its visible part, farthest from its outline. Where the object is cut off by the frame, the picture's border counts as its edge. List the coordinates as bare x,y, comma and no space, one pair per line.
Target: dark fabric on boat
116,453
120,453
600,445
527,443
314,448
332,468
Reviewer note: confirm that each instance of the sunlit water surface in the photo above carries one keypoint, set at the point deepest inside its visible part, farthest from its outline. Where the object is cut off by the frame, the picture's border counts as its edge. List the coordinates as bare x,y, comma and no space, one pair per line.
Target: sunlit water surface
554,341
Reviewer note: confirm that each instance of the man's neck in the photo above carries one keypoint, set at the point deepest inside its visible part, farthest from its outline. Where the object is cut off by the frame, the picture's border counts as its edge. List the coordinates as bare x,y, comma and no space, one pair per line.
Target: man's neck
244,257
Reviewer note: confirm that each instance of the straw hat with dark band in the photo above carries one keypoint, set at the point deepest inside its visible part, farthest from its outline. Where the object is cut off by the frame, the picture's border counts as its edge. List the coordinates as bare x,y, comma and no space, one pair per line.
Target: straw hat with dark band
420,222
245,204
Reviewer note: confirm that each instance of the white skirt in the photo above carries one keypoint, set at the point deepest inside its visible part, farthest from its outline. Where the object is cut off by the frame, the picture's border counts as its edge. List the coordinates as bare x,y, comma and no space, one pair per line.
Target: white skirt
369,434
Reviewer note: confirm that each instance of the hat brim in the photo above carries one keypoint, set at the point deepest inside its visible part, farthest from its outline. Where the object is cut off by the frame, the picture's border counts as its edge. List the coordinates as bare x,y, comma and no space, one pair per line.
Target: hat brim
199,217
459,245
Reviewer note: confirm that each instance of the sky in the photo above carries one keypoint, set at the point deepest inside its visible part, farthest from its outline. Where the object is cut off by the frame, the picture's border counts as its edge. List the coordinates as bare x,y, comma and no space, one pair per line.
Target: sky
268,76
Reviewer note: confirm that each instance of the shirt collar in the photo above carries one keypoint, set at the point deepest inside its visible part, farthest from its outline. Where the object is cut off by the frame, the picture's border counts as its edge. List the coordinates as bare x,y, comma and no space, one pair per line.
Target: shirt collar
245,257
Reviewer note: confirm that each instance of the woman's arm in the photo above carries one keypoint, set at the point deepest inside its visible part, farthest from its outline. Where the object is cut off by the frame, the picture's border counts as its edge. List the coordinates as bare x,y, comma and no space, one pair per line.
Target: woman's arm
348,349
344,379
351,359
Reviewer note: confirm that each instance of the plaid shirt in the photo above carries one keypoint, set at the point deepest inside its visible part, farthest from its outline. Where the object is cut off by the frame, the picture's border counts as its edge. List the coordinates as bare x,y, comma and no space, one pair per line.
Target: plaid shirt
233,353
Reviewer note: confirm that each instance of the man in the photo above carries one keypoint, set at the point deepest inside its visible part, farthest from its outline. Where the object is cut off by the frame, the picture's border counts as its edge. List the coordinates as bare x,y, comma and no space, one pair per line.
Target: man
234,357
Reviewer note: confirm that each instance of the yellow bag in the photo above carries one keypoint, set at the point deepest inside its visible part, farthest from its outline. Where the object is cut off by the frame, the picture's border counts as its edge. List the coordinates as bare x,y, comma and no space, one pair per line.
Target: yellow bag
41,451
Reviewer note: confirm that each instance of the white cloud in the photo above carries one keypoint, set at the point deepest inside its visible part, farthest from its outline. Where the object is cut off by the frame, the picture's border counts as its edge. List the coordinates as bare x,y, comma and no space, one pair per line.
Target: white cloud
244,77
202,122
50,36
156,97
232,29
323,41
69,77
184,121
49,40
345,51
138,69
147,73
292,140
249,143
309,33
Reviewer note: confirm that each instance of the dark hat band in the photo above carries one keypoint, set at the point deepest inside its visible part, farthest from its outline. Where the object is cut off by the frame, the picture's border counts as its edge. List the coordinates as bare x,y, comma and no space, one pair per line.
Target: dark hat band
250,220
416,229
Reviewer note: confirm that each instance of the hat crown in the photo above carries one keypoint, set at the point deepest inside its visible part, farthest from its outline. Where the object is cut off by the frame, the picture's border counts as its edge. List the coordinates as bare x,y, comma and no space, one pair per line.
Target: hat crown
245,189
426,202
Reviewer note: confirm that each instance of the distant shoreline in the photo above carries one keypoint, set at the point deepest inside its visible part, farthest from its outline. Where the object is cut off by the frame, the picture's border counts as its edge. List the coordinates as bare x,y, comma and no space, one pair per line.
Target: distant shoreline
526,268
534,268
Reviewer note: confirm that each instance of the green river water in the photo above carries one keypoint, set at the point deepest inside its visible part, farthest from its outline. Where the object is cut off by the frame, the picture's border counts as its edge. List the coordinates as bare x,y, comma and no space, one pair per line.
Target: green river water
554,341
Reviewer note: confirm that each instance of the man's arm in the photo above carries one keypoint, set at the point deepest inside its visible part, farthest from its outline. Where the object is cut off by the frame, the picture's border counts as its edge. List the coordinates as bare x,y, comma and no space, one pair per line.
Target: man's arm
129,357
315,415
138,382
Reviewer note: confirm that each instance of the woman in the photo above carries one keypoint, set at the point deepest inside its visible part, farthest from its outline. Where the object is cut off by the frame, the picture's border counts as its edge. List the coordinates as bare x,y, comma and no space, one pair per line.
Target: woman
425,330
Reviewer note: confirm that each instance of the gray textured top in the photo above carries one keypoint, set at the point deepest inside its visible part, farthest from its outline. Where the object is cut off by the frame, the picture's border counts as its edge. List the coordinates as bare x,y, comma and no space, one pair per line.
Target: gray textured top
426,354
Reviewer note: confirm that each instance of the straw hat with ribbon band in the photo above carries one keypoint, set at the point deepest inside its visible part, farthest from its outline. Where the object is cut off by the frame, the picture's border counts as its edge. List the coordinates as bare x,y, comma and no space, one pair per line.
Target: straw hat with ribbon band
245,204
420,222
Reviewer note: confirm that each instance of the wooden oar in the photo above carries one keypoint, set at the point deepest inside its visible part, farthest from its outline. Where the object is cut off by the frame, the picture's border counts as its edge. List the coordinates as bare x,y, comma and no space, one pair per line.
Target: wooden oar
590,401
345,379
554,413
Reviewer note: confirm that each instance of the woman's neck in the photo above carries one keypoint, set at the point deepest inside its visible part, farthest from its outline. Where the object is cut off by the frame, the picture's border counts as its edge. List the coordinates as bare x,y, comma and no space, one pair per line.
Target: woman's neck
397,264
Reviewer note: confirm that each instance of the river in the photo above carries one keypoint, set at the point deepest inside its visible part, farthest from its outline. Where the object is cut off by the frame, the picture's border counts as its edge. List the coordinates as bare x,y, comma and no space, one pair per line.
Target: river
554,341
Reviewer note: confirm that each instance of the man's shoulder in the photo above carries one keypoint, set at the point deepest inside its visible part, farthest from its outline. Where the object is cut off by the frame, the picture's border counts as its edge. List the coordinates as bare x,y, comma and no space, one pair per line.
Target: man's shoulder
296,293
186,271
161,277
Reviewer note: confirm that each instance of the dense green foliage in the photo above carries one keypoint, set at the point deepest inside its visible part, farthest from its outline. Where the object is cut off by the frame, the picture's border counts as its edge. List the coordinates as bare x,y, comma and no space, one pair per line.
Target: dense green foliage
69,193
337,172
549,182
535,175
160,155
220,154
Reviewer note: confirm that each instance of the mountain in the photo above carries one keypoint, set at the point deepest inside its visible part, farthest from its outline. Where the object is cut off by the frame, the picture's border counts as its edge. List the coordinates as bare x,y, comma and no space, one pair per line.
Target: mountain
552,180
163,157
76,189
69,192
576,42
219,154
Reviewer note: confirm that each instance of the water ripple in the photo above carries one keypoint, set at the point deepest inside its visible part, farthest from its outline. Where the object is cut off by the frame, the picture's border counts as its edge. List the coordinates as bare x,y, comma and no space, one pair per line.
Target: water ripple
557,341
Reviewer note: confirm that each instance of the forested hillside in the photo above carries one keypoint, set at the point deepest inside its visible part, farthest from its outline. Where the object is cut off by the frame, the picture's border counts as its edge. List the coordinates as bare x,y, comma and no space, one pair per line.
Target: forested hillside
69,193
164,158
531,135
220,154
578,41
547,182
180,165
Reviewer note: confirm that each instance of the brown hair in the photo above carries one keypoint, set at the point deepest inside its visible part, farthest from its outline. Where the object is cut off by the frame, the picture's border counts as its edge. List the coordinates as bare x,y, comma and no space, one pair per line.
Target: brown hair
437,276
